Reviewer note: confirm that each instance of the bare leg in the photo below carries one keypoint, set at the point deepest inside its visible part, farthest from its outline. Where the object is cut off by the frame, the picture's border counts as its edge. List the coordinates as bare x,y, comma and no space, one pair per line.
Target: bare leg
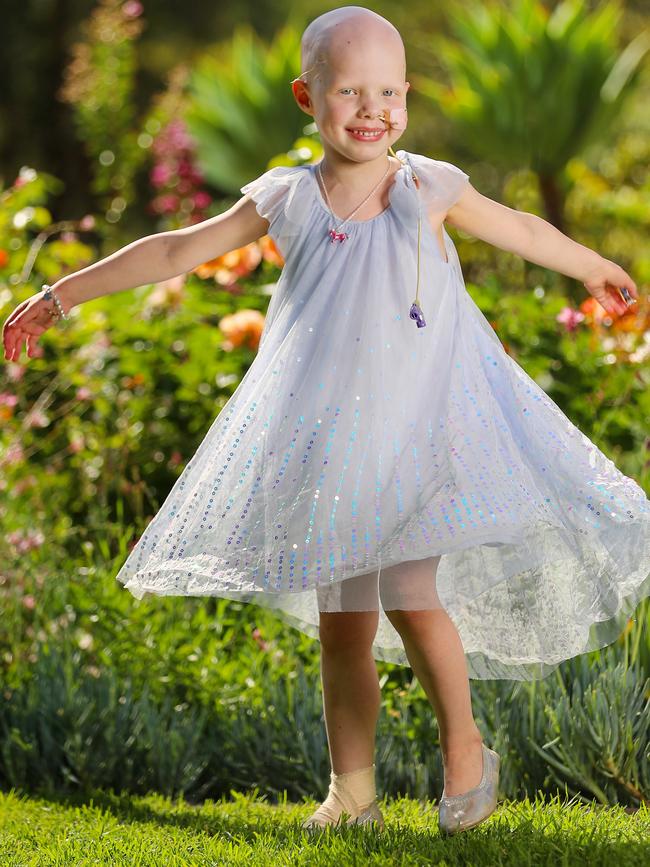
351,700
435,653
351,694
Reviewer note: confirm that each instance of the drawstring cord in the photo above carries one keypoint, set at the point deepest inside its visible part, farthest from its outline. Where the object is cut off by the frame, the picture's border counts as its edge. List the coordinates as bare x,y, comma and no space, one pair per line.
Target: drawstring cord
416,311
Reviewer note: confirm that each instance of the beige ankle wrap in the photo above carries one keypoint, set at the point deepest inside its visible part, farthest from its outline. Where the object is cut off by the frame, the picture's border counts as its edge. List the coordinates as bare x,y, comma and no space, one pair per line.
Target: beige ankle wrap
351,792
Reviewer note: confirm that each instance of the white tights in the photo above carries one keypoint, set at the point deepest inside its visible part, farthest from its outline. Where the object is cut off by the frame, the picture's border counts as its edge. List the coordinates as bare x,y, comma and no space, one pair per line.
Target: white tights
407,585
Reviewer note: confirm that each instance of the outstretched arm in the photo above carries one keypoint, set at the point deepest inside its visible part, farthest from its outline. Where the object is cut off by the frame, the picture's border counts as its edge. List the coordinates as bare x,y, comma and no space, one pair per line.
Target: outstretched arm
165,254
538,241
148,260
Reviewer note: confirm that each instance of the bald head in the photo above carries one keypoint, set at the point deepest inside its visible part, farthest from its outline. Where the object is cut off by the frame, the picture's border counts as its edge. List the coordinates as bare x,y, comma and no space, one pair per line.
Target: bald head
331,37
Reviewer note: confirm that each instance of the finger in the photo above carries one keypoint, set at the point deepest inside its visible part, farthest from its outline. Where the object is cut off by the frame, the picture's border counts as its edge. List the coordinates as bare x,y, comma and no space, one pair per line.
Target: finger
627,283
624,296
30,345
16,313
17,332
15,347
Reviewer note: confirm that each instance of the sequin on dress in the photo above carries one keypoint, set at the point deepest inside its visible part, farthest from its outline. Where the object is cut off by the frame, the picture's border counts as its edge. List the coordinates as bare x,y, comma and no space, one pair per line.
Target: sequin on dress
364,463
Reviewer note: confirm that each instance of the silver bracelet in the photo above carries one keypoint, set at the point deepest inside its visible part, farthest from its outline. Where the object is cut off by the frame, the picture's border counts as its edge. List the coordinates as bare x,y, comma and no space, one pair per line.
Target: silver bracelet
50,296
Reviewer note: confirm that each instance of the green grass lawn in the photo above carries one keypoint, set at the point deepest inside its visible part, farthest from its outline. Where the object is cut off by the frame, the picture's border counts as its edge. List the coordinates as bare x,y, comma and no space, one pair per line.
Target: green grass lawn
111,830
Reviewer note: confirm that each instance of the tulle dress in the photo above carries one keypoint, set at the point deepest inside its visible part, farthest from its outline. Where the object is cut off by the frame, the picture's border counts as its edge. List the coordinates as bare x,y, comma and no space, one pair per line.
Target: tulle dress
358,446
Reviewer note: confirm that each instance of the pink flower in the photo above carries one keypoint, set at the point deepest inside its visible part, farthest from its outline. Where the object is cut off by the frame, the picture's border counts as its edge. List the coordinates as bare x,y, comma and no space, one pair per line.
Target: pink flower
25,542
165,204
570,318
132,9
160,174
24,485
15,371
202,199
175,458
257,636
76,445
83,393
13,455
86,223
36,418
8,399
29,602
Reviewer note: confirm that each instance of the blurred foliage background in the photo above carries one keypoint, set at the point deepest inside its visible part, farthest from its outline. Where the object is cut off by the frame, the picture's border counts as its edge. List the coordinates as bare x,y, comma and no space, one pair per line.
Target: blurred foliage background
119,119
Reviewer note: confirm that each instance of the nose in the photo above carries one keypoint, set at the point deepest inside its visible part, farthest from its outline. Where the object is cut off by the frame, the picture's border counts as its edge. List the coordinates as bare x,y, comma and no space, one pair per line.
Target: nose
370,107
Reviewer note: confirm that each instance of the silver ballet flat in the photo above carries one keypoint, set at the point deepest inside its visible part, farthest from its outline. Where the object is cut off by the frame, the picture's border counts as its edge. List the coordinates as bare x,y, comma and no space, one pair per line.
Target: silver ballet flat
372,813
459,812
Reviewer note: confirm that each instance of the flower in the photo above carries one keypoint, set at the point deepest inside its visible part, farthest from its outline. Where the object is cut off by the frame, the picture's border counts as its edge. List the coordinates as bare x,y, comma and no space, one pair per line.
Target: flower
595,313
24,542
176,175
77,444
132,8
14,371
236,263
166,294
14,454
36,418
165,204
242,328
160,174
257,635
270,252
569,317
202,199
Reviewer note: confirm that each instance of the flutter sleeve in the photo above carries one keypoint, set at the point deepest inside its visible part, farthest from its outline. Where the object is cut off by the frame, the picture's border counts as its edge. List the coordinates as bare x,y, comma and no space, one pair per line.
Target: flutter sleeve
441,183
281,196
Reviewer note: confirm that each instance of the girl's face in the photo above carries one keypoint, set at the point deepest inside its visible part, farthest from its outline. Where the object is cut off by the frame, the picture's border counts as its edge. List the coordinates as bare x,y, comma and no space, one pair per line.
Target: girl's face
353,89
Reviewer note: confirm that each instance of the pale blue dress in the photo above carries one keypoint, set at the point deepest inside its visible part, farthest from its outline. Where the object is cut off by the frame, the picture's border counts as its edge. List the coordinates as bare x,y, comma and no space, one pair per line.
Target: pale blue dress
357,441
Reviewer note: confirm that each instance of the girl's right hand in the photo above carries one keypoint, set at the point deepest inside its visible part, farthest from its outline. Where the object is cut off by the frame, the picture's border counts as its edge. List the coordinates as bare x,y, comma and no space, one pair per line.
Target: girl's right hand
28,321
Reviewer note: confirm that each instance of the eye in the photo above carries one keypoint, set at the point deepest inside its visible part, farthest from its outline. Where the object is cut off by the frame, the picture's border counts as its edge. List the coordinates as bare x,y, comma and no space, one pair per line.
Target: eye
391,90
343,89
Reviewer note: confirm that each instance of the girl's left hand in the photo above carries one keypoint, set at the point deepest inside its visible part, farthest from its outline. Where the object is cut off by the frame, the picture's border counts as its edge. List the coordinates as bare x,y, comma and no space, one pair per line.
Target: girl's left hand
604,283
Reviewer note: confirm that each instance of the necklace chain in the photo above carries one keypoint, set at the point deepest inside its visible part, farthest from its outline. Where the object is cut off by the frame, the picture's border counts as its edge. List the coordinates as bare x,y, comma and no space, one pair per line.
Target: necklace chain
349,217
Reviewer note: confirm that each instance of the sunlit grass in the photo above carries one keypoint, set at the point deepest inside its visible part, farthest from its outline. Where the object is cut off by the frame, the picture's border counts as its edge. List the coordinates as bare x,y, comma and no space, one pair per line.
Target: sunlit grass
107,829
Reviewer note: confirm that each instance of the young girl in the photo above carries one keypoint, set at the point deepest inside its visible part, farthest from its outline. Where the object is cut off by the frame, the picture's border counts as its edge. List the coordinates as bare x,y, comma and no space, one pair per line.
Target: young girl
386,477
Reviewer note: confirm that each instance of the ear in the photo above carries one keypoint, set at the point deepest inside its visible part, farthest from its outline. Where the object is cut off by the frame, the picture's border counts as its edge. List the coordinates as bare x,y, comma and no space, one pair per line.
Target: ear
301,95
408,84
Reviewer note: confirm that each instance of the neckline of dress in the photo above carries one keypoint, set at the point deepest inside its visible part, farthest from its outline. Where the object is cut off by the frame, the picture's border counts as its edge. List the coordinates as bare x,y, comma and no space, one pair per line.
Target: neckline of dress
321,201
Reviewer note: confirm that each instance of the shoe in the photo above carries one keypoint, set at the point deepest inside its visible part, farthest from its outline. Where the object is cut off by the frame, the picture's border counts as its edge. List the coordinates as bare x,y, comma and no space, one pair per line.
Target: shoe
463,811
318,822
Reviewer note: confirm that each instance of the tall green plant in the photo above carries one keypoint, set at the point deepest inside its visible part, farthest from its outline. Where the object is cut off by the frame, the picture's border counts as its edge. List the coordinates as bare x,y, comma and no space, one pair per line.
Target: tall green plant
99,83
240,110
534,87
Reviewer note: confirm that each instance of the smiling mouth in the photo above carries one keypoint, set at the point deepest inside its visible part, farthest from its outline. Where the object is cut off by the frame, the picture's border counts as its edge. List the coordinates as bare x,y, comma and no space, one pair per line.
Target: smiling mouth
365,133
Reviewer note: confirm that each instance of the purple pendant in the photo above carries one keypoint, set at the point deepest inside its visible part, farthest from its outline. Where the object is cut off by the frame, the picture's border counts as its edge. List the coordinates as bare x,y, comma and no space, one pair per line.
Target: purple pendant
416,313
337,236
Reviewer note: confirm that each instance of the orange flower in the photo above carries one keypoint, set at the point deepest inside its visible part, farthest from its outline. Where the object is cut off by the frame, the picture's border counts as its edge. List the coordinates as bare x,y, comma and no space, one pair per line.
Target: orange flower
166,294
270,252
594,312
242,328
636,318
4,258
132,381
236,263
